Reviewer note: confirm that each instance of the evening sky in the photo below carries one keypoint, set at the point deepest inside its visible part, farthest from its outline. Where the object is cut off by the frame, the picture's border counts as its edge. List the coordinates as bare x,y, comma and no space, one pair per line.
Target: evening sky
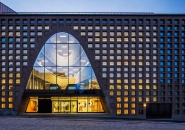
156,6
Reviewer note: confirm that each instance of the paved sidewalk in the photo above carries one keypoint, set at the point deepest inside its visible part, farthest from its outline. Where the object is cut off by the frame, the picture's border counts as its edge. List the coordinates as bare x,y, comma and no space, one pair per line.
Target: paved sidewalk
57,123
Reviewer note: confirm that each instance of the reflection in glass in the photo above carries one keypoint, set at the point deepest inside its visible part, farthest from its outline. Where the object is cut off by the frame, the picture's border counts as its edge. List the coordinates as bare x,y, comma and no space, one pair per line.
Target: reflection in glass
62,62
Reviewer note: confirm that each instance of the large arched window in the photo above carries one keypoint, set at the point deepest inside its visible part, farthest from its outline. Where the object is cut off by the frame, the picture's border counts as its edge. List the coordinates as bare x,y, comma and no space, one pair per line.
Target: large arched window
62,63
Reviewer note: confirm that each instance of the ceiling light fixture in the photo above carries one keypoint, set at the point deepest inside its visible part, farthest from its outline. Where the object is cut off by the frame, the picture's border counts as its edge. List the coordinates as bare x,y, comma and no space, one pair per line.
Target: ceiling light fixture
64,46
71,41
63,36
57,41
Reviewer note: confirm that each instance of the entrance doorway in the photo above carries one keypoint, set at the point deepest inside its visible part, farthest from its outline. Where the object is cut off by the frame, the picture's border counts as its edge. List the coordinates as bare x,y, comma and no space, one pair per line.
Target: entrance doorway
44,106
65,105
68,107
74,106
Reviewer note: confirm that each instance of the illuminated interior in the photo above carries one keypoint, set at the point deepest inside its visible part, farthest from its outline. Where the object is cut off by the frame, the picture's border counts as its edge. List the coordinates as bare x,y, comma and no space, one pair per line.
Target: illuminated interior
76,104
60,63
69,104
32,105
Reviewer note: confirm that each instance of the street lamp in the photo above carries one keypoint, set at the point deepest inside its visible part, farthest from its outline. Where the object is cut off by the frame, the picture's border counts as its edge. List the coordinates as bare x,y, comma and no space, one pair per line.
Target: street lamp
144,105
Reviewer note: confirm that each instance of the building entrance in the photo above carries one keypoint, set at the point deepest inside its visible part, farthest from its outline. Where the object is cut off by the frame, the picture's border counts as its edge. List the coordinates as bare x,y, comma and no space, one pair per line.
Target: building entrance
66,105
43,106
74,106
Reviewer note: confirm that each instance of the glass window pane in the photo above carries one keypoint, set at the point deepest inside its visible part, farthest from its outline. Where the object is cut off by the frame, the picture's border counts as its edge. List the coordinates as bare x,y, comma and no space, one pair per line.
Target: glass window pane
50,55
62,37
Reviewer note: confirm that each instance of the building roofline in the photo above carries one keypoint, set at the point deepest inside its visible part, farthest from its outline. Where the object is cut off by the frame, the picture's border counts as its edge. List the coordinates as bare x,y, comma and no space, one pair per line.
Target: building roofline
8,8
83,13
92,13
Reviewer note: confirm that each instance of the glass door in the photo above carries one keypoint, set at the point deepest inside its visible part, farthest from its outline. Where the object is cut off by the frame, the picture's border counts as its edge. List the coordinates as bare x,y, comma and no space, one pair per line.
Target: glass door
65,106
55,106
82,104
74,106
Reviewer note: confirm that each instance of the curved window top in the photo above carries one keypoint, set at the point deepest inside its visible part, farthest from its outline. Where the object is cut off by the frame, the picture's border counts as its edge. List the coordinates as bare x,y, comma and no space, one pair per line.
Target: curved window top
63,62
62,49
62,37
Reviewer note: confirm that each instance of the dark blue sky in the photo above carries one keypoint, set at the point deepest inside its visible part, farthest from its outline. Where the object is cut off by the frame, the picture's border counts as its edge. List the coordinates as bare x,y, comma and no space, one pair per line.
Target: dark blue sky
156,6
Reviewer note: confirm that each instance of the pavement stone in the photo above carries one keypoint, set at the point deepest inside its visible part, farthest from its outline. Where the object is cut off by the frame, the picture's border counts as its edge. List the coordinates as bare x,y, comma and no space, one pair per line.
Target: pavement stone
57,123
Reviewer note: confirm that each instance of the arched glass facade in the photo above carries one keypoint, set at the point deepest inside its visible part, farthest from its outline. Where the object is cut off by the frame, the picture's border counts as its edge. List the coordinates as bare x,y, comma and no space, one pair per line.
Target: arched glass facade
62,64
